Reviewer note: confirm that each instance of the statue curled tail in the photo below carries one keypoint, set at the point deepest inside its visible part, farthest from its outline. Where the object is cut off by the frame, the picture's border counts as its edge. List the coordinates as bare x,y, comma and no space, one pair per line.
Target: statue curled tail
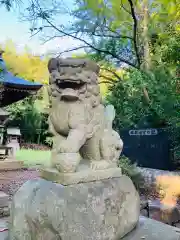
111,144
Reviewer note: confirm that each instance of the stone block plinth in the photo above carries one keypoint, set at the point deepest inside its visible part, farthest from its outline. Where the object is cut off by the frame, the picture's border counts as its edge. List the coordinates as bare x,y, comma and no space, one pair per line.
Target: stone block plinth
99,210
87,175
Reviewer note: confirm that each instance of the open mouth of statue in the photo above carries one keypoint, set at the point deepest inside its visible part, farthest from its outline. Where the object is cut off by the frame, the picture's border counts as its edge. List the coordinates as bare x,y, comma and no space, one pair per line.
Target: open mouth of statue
70,89
69,84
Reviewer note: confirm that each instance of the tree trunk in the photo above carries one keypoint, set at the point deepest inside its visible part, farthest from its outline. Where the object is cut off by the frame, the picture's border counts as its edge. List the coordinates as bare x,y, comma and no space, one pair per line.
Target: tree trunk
145,36
144,42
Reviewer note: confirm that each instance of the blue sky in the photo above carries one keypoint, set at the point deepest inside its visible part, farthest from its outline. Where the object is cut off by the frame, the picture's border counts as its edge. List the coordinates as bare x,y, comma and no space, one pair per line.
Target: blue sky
11,28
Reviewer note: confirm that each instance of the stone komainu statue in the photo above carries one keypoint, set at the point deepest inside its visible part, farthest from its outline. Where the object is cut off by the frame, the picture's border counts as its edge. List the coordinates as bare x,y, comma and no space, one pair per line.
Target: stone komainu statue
80,124
92,199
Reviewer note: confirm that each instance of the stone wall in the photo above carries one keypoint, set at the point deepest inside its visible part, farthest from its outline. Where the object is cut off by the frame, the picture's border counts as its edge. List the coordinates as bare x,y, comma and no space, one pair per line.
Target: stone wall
151,174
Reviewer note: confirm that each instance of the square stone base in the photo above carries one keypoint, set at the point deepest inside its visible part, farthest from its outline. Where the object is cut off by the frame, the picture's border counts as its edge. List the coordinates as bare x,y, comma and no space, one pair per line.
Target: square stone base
11,164
83,176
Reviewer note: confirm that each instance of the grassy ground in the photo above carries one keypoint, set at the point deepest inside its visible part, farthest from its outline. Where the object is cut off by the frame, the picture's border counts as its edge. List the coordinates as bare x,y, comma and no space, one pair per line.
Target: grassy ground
33,158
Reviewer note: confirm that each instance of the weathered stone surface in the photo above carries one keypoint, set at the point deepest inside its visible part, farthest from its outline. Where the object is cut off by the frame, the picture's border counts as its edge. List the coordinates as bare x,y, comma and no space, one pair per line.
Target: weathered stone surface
149,229
79,177
102,210
4,199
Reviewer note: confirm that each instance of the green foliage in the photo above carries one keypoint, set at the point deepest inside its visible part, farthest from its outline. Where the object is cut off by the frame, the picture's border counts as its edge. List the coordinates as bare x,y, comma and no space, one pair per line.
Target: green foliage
163,110
129,103
115,26
167,50
118,13
33,124
131,171
174,133
171,50
49,141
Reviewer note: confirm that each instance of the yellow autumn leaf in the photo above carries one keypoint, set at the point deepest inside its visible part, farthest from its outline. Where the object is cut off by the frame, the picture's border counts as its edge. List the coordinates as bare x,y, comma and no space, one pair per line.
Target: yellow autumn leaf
172,9
25,65
106,78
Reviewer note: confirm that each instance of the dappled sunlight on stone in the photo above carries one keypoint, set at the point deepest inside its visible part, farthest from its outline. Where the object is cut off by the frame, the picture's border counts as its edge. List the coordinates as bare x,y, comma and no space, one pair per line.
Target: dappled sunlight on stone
169,187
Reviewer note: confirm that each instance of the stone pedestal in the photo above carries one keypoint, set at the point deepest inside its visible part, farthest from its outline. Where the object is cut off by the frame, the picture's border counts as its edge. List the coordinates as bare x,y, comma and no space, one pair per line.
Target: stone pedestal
86,175
100,210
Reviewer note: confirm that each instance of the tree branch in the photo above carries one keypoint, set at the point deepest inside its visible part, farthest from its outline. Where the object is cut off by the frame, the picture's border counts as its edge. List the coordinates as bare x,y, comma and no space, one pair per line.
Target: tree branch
35,33
111,71
72,49
91,46
44,16
135,25
126,10
109,80
53,37
102,30
111,36
103,34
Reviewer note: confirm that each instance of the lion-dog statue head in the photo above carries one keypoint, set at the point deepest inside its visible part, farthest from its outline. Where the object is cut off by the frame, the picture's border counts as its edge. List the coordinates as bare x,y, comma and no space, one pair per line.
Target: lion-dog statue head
74,80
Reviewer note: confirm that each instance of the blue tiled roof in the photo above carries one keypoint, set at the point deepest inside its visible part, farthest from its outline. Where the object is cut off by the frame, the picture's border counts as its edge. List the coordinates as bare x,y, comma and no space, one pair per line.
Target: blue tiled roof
9,78
14,88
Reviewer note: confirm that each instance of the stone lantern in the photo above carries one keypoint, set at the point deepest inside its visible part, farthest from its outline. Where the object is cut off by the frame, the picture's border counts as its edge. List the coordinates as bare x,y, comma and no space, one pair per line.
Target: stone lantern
13,140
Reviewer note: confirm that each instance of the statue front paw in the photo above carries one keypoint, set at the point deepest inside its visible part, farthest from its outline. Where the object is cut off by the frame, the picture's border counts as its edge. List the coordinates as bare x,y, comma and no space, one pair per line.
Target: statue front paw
67,162
65,147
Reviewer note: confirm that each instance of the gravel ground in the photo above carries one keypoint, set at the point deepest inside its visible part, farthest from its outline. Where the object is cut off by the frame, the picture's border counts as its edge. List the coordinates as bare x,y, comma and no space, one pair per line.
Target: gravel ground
11,181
